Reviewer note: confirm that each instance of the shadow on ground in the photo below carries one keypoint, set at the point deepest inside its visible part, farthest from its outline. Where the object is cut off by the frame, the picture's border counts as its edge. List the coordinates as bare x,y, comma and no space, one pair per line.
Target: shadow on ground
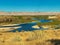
54,41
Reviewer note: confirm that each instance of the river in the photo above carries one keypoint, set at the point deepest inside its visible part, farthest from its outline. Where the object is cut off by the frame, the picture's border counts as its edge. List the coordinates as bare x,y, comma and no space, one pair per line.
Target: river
28,26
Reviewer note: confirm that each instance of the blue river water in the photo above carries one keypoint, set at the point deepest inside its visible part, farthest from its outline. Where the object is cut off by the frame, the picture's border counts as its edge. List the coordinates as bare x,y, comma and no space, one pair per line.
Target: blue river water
28,26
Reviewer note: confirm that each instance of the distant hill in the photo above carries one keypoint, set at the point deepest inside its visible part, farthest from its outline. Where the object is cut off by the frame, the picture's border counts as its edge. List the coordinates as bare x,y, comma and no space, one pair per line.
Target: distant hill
29,13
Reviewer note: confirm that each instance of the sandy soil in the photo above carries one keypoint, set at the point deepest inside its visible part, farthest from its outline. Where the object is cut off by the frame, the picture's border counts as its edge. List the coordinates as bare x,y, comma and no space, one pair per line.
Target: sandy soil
8,28
29,13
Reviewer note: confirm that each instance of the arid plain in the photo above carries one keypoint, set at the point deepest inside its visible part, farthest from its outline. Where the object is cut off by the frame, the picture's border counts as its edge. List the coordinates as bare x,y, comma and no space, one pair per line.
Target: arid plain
48,35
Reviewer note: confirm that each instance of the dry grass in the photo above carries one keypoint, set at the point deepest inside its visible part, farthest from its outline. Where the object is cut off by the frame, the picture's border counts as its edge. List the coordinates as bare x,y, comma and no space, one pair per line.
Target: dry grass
38,37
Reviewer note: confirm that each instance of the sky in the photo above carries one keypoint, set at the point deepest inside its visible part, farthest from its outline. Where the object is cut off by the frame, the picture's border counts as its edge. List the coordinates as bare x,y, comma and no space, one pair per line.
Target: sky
30,5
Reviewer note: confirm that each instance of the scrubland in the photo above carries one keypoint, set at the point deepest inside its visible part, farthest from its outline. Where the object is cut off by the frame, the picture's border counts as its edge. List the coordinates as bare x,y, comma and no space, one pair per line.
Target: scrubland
36,37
